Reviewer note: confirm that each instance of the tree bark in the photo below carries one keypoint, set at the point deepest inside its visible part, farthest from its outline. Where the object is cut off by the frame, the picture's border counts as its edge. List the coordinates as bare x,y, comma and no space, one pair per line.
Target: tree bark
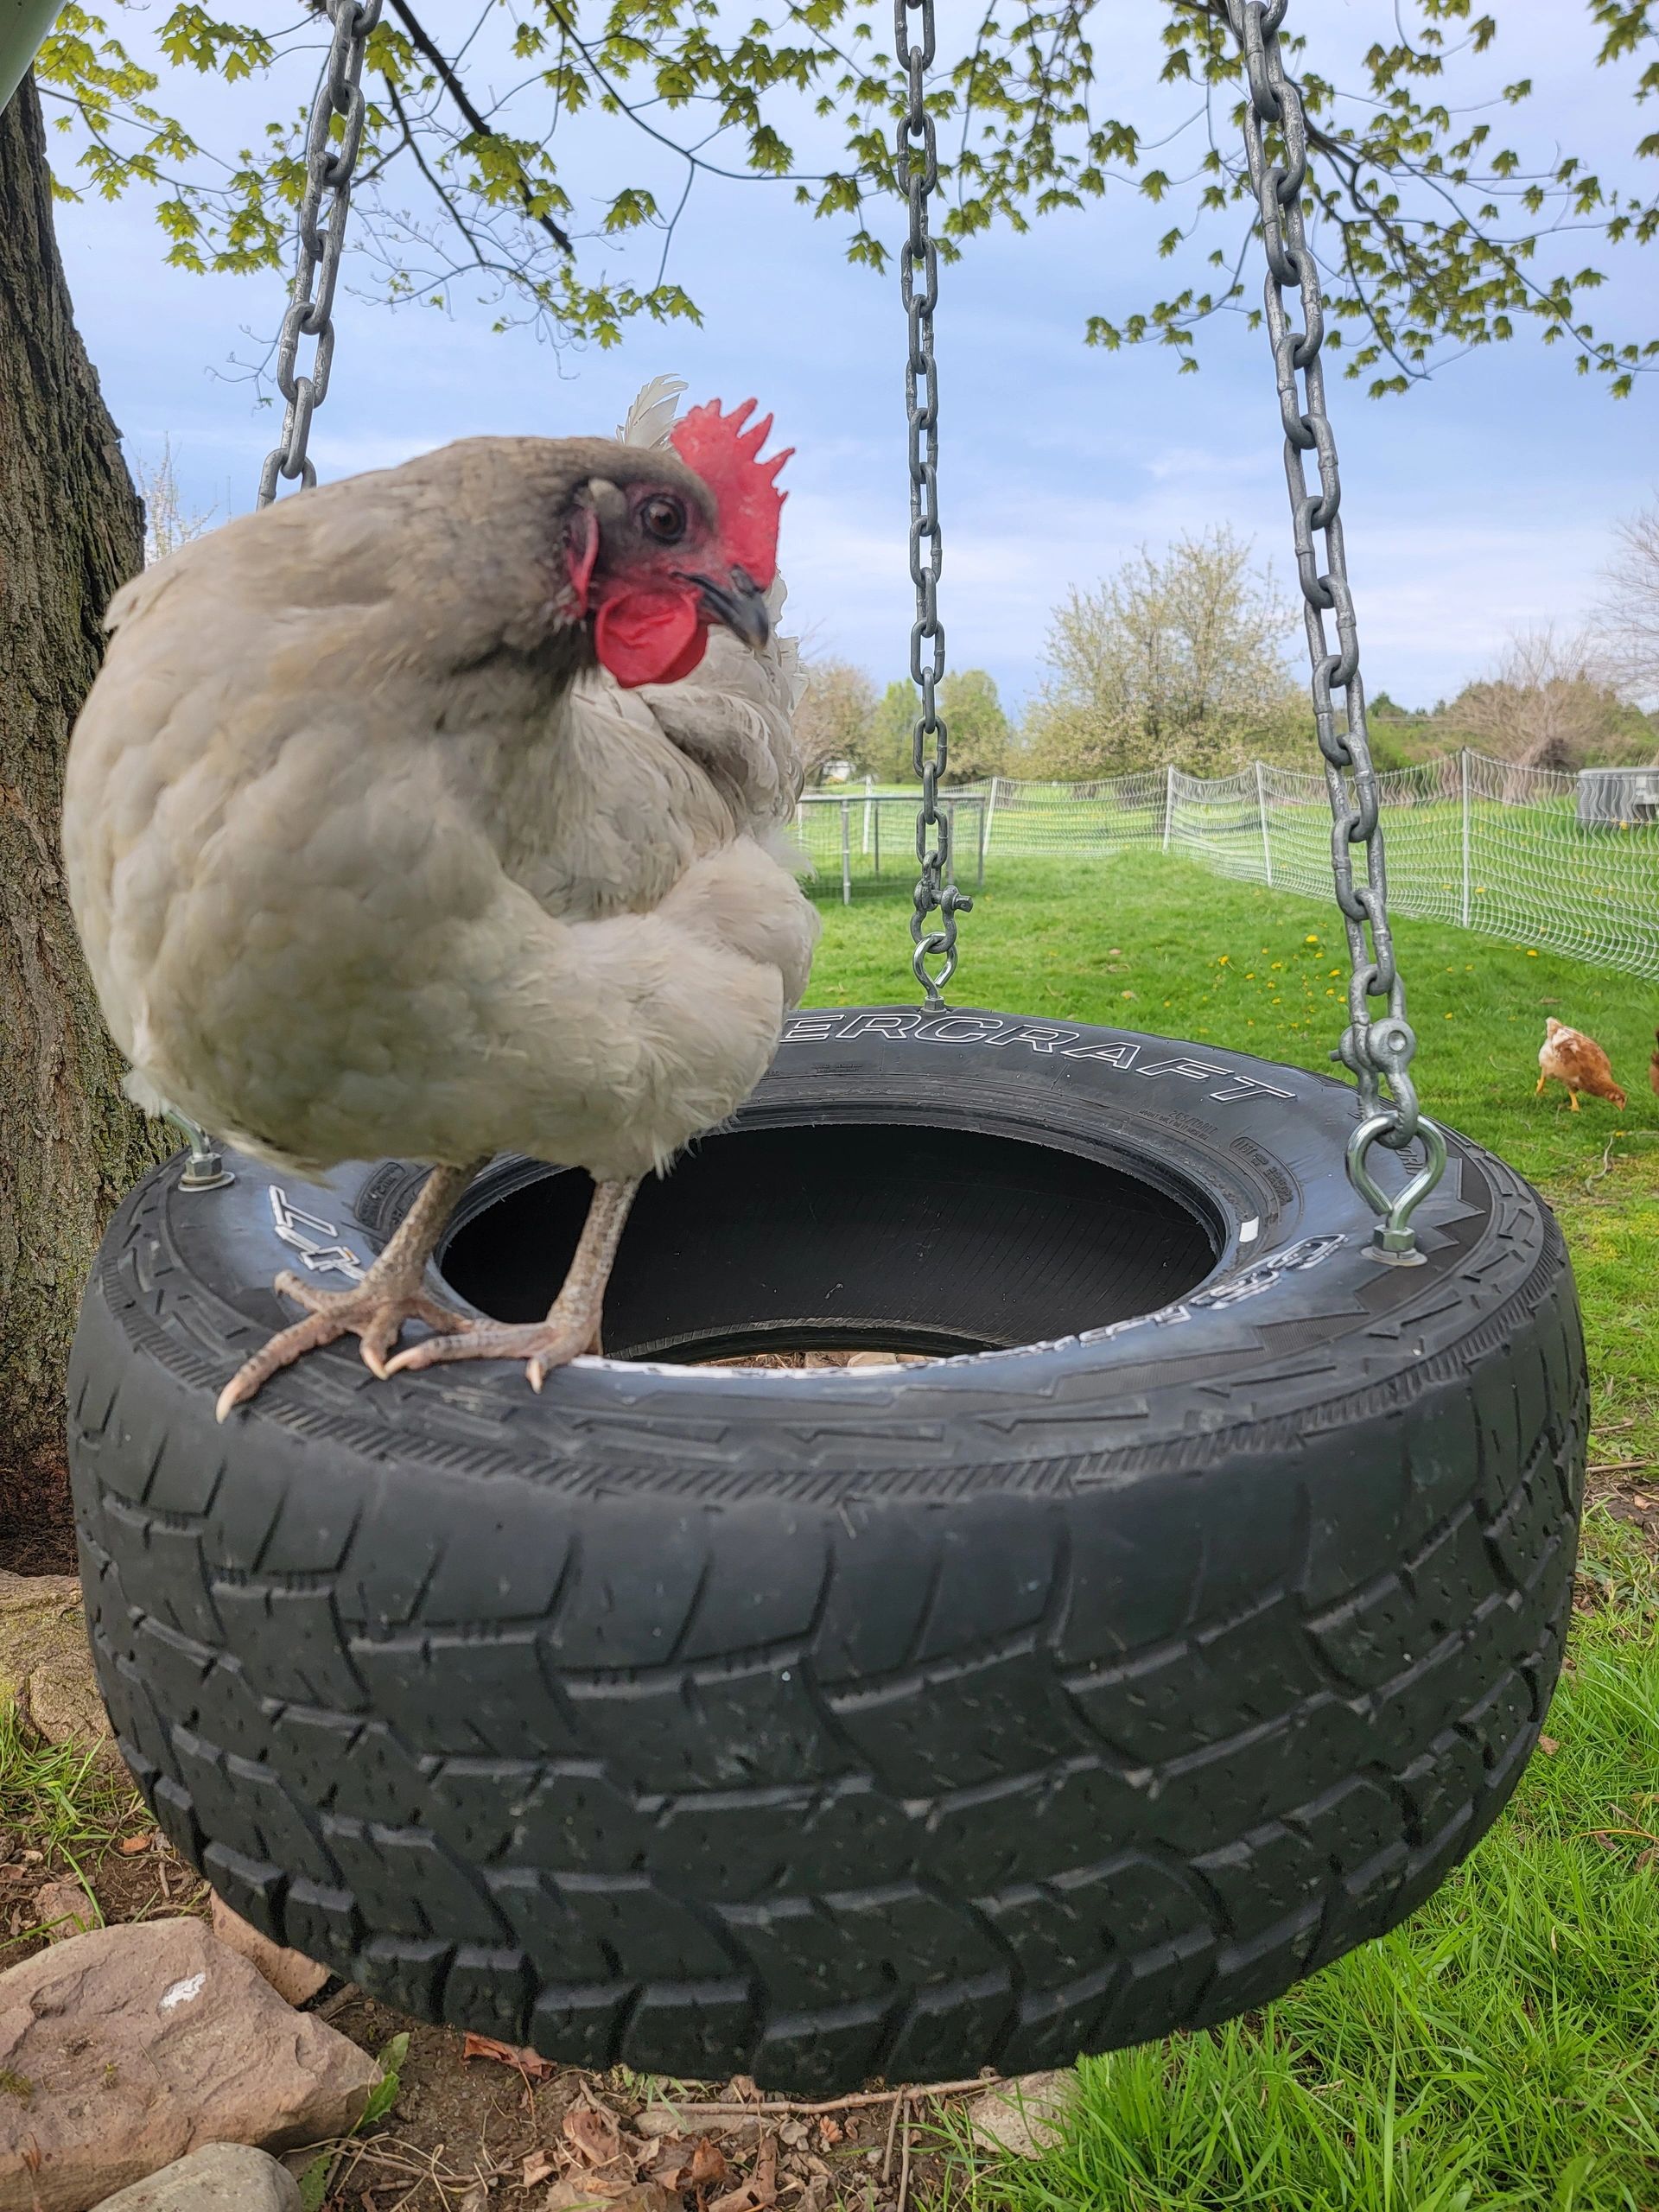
71,531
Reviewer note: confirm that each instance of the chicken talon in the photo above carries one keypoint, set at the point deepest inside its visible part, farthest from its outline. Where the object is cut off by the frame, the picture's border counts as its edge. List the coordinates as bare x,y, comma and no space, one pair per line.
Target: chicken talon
553,1342
376,1308
572,1325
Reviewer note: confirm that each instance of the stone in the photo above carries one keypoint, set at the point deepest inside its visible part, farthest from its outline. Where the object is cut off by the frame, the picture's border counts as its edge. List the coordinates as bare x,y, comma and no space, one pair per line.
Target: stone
64,1909
293,1976
1020,2118
126,2050
223,2178
46,1665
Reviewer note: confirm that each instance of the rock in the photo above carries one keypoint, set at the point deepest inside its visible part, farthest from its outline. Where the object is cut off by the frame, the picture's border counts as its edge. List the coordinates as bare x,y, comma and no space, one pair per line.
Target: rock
124,2051
224,2177
46,1667
1020,2118
290,1974
64,1909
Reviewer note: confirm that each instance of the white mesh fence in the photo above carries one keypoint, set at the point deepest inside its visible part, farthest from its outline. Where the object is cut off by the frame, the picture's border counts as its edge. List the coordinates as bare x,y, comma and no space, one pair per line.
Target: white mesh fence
1535,857
1524,854
859,834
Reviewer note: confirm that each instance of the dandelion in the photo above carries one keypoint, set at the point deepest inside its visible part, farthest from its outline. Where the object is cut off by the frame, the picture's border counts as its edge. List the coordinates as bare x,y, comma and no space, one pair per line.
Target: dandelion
1531,955
1310,940
1222,958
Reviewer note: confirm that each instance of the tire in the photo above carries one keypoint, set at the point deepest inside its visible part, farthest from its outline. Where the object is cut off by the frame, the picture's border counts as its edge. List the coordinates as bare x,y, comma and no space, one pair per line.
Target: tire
1177,1632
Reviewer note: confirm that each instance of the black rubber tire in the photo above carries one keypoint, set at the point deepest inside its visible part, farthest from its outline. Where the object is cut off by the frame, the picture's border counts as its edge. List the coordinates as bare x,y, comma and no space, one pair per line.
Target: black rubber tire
823,1724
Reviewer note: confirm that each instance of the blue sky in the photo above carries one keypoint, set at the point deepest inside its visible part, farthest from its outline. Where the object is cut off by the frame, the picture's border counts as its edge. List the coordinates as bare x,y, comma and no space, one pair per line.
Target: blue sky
1481,503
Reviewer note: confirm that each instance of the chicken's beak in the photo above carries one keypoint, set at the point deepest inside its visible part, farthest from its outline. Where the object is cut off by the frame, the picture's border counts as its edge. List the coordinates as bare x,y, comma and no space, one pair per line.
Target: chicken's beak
739,603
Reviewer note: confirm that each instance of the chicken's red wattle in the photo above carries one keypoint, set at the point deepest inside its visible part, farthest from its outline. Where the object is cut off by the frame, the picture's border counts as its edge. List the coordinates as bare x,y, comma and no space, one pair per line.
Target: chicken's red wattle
650,637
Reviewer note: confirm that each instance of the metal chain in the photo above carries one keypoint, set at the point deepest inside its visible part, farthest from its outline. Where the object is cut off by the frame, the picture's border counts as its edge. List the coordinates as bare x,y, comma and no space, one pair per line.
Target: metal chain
936,892
310,314
328,170
1373,1047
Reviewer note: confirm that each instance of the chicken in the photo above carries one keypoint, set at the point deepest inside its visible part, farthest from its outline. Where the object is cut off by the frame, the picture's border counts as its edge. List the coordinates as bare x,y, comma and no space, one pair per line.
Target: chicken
1579,1062
1653,1066
368,858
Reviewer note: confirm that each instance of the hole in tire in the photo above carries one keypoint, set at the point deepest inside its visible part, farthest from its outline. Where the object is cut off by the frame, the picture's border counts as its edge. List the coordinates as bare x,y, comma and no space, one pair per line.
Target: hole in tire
846,1236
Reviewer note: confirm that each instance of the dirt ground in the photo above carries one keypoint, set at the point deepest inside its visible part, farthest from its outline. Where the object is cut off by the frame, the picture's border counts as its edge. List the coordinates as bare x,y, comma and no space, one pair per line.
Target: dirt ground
513,2131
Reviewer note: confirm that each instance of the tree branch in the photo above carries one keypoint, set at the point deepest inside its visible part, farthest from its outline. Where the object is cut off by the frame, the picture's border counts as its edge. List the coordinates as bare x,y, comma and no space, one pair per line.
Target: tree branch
457,92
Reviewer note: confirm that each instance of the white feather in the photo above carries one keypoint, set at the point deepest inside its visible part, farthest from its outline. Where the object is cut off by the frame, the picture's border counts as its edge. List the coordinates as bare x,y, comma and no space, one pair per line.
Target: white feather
650,418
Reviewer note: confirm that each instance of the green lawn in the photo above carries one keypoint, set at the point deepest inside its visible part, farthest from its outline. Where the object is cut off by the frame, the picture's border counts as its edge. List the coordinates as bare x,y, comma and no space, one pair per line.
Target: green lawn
1502,2050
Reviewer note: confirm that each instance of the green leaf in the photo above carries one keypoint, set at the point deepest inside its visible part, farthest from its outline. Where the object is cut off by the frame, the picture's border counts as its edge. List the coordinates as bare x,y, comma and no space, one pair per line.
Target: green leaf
383,2095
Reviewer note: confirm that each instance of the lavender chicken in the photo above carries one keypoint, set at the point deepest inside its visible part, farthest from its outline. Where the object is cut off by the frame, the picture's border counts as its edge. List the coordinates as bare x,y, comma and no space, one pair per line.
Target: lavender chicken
406,818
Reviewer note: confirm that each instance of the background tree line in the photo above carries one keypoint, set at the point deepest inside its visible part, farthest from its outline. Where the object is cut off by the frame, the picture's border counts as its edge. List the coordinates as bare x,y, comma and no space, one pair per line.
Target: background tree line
1193,656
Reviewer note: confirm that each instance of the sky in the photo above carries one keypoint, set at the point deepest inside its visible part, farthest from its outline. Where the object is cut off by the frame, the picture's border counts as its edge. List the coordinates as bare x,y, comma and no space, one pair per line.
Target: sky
1481,503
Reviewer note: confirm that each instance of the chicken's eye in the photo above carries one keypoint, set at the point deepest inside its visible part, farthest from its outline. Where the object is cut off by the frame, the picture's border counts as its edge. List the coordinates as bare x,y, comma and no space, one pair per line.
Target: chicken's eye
663,518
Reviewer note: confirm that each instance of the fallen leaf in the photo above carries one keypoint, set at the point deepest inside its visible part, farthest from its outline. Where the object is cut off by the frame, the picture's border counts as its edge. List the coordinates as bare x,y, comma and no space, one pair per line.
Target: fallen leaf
529,2062
830,2130
539,2165
708,2165
477,2199
742,2089
683,2164
584,2196
759,2191
792,2134
593,2135
130,1846
1548,1746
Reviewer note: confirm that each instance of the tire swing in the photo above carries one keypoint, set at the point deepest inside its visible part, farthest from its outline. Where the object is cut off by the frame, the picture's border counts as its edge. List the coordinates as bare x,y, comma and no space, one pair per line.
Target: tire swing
1174,1628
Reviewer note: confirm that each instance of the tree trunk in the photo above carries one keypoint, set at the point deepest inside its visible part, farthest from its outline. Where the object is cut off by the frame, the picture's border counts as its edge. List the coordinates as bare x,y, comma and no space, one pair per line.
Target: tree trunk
71,531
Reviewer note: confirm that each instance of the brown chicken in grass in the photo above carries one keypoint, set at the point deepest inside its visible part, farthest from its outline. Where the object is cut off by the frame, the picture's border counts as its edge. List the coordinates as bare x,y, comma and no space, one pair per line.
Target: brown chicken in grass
1579,1062
1653,1066
394,825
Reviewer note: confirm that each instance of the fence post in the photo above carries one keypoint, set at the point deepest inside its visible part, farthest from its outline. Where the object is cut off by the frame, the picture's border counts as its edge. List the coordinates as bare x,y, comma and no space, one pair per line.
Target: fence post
986,823
1463,778
869,785
878,838
846,854
979,817
1261,810
1169,802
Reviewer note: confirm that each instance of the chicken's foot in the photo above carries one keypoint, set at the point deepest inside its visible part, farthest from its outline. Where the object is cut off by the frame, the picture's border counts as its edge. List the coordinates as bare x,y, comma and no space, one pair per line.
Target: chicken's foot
572,1325
390,1294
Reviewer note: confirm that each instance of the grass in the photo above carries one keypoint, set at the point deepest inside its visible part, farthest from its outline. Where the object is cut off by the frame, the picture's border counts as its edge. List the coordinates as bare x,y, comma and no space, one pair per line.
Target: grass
66,1803
1501,2050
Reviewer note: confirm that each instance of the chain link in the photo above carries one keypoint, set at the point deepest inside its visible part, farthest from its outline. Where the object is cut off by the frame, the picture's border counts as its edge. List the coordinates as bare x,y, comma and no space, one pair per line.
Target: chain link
1373,1046
935,891
328,170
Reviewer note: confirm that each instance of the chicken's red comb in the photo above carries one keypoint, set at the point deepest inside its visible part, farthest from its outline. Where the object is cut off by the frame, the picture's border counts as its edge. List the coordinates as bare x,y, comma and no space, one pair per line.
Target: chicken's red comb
727,457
